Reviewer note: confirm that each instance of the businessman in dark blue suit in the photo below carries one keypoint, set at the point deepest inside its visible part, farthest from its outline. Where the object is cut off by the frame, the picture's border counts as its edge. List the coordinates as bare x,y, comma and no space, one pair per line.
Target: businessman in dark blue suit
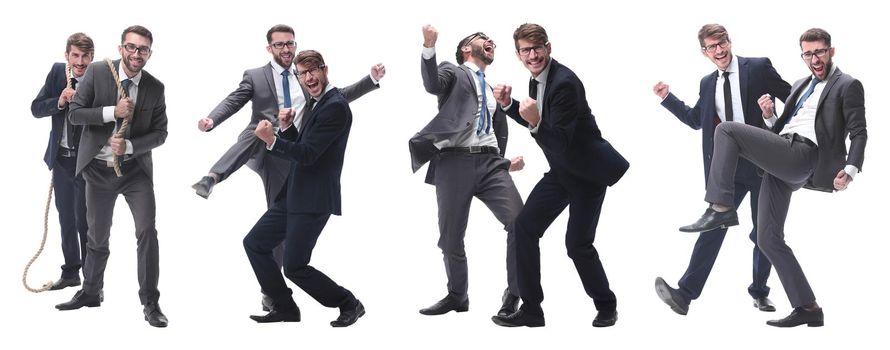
316,147
728,94
61,153
582,165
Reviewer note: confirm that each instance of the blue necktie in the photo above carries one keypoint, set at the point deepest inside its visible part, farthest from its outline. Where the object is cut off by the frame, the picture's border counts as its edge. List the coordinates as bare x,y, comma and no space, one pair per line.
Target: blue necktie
484,122
285,85
805,96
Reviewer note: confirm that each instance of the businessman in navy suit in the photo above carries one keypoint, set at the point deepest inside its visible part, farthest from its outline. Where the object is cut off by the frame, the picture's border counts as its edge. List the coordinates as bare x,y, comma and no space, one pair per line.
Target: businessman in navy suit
582,165
316,147
61,153
728,94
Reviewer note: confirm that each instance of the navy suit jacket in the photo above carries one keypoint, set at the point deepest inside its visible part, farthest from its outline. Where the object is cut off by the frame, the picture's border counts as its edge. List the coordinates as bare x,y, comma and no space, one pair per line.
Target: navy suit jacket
316,154
568,134
47,104
756,77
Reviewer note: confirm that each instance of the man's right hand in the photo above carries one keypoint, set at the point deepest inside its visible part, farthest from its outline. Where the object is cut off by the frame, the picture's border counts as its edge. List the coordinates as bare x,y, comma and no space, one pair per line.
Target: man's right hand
205,124
67,96
124,108
767,106
661,89
430,35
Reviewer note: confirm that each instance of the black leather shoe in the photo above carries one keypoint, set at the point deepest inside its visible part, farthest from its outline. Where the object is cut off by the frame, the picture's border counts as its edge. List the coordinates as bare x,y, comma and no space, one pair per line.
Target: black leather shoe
518,319
605,318
447,304
204,186
764,304
267,303
153,315
80,300
800,316
711,220
65,282
510,303
276,315
349,316
671,296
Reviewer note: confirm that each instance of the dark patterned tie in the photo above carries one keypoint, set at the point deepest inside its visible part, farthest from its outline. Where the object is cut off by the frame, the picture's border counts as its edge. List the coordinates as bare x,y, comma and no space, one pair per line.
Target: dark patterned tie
72,143
533,89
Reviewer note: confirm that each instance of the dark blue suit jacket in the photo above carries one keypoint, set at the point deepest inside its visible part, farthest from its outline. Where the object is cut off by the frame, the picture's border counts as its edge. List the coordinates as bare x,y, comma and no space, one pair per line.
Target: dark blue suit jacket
47,104
568,134
756,77
316,154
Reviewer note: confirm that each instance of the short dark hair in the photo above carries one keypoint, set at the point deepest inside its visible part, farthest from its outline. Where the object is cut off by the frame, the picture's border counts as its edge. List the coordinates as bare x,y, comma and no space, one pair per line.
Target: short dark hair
712,30
278,28
458,54
816,34
310,58
531,32
140,30
80,41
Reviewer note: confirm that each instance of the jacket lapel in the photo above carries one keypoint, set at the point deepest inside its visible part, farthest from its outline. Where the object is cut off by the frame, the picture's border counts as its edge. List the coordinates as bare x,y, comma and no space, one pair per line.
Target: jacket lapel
270,80
743,86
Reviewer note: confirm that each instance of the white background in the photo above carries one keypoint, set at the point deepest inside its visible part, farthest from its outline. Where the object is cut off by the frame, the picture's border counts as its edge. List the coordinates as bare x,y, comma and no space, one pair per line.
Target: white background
384,246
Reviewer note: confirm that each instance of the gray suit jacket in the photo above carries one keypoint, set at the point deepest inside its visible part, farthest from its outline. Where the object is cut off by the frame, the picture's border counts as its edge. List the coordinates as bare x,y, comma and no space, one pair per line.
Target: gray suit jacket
258,87
458,103
841,112
148,127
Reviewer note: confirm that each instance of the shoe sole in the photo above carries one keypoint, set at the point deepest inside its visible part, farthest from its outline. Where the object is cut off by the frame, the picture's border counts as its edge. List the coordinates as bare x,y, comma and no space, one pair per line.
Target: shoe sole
201,192
809,324
75,308
665,295
462,309
501,323
724,225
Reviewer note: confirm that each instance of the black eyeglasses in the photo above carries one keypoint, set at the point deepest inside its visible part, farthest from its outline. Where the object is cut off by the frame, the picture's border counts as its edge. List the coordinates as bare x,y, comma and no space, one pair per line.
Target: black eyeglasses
139,50
538,49
281,44
723,44
818,53
469,39
314,71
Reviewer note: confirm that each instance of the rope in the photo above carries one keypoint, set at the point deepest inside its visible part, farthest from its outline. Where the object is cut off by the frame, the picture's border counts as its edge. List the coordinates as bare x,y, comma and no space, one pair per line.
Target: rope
126,122
49,198
49,284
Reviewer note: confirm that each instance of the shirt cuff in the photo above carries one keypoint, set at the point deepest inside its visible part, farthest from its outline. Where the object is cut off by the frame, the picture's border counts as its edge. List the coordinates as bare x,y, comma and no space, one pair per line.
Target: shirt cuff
770,121
851,170
428,52
535,129
374,80
507,107
129,147
108,114
271,146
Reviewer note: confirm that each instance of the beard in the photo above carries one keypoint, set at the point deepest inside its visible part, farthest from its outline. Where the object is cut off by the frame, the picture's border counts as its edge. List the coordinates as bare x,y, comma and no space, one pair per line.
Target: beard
479,53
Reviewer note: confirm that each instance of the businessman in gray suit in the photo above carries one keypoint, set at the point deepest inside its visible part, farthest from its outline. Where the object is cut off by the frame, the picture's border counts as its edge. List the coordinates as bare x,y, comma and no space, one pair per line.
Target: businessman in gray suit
269,88
464,144
805,147
101,110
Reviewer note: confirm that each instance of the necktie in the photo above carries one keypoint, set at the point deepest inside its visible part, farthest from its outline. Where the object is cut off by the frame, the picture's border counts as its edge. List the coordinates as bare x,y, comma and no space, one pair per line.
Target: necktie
306,112
805,96
72,143
484,114
125,84
285,85
533,89
727,97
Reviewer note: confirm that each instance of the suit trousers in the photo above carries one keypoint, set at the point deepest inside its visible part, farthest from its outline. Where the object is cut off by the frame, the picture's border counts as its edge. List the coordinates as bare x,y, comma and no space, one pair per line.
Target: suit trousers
102,190
460,177
788,165
547,200
72,208
299,232
704,254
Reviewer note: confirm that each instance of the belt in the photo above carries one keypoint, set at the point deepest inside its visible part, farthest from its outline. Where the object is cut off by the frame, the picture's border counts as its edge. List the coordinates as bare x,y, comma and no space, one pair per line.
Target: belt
472,149
110,163
67,152
798,138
